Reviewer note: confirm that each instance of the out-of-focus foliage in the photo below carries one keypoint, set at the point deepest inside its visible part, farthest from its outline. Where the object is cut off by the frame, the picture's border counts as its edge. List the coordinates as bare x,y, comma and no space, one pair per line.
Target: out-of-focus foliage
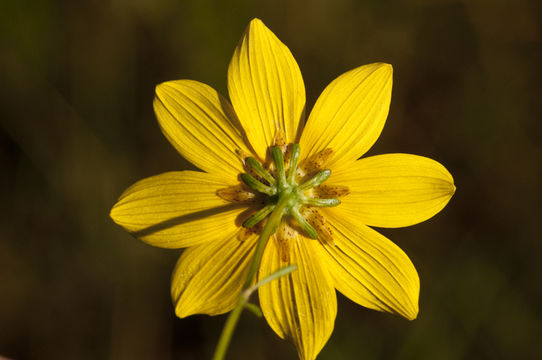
76,87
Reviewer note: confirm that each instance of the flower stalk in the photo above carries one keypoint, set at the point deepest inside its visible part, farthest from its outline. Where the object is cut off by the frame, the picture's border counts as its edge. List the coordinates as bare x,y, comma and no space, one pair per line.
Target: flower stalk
233,317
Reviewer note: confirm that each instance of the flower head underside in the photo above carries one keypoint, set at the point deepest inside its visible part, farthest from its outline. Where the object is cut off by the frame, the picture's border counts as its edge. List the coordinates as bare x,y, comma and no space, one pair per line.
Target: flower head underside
258,154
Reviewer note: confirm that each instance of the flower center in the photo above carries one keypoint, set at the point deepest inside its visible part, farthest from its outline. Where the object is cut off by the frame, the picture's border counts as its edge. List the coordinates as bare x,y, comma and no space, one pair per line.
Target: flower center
282,191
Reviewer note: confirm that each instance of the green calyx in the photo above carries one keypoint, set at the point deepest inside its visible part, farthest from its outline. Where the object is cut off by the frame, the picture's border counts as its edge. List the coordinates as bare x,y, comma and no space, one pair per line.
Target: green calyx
283,192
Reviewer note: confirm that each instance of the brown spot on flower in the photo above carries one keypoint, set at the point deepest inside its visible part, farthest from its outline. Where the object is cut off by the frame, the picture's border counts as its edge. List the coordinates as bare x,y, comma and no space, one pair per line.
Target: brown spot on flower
331,191
283,236
246,233
319,223
280,142
317,161
280,139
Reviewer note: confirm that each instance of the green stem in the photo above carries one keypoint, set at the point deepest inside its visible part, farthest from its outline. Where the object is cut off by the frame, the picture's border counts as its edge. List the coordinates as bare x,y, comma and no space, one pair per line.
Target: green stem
229,327
233,317
270,226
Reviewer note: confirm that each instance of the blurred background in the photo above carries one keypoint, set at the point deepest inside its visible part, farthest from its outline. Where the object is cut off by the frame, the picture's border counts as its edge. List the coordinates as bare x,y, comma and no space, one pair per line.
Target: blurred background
77,128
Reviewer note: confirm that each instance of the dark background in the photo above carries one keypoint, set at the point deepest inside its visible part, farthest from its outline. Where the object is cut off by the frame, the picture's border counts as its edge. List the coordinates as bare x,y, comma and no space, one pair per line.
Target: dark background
76,128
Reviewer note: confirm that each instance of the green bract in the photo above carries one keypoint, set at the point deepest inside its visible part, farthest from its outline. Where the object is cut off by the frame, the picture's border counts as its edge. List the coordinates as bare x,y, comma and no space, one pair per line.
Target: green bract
286,189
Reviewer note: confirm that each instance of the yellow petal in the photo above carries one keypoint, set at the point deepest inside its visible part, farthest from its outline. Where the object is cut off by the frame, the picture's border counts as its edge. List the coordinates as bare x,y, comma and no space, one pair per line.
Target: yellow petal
208,278
177,209
302,306
371,270
201,124
393,190
349,115
265,87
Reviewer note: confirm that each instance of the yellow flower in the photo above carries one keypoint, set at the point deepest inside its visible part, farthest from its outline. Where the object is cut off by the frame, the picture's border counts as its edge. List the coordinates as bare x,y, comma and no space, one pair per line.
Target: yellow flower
243,181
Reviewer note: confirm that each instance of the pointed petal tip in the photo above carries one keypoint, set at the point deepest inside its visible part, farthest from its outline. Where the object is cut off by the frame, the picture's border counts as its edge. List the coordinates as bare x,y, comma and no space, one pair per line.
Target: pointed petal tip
181,312
160,92
256,21
411,306
112,213
387,68
257,28
159,89
412,314
169,86
256,25
450,179
173,85
380,66
116,212
451,188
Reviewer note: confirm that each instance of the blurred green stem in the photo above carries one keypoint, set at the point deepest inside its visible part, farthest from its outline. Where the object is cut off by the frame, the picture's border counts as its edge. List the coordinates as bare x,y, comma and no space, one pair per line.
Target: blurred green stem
234,315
